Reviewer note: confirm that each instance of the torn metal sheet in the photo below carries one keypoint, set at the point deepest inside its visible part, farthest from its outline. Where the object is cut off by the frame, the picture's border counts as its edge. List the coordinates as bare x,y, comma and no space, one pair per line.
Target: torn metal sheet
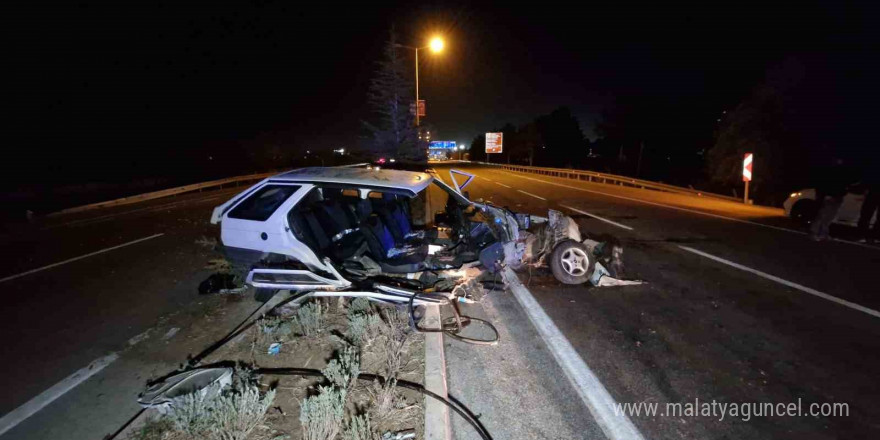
203,382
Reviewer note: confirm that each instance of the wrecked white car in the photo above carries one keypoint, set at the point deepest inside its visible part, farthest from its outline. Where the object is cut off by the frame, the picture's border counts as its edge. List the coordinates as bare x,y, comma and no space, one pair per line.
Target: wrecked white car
381,233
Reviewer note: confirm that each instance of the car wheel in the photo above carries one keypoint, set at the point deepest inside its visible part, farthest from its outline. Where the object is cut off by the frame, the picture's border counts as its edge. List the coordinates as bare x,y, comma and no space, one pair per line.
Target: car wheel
571,262
804,211
263,294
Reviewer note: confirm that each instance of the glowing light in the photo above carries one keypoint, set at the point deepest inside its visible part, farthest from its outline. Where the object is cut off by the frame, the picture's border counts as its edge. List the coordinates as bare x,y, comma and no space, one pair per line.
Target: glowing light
436,45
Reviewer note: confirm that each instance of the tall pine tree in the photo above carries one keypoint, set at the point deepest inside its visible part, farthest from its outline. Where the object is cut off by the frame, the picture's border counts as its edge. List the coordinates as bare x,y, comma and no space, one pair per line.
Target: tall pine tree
390,96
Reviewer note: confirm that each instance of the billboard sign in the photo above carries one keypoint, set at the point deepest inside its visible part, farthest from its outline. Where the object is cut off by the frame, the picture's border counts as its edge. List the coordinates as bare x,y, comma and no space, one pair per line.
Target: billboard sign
494,142
412,108
441,145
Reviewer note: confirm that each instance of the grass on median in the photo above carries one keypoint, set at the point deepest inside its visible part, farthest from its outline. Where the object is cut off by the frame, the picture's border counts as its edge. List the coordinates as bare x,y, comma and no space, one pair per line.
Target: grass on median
299,410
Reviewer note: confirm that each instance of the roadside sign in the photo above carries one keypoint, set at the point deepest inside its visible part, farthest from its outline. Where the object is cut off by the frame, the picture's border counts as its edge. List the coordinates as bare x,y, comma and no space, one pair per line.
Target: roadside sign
747,167
412,108
494,142
444,145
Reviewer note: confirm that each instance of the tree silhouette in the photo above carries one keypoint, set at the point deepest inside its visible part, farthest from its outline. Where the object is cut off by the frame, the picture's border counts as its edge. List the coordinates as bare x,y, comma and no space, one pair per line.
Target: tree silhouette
390,96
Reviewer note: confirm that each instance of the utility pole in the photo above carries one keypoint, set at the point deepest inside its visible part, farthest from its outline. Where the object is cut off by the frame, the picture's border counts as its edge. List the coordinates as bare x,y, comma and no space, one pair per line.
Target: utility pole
639,163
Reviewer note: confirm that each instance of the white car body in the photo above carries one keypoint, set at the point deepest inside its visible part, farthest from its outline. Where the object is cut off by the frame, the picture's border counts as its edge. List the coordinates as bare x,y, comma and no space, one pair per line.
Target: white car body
847,215
269,235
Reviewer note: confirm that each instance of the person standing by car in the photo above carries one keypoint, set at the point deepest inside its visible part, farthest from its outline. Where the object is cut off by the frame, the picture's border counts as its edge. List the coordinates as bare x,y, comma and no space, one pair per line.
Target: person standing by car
869,208
830,192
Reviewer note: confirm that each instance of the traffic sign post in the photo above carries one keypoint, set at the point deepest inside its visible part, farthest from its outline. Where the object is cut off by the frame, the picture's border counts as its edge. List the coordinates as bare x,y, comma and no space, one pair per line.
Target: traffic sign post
494,144
747,175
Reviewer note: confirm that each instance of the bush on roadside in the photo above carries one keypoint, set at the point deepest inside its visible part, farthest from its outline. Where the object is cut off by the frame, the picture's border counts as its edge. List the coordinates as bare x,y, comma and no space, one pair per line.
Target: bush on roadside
309,319
321,415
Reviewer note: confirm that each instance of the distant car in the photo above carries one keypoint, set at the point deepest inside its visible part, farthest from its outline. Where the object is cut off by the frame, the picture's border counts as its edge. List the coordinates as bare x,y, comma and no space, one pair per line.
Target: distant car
369,232
802,206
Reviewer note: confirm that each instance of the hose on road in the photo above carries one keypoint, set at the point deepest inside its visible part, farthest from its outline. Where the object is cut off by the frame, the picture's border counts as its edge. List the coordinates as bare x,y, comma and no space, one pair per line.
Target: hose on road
453,325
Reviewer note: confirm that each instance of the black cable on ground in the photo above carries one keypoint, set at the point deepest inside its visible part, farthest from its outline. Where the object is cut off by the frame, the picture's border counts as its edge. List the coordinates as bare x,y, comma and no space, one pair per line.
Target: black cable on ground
451,331
448,327
125,425
456,406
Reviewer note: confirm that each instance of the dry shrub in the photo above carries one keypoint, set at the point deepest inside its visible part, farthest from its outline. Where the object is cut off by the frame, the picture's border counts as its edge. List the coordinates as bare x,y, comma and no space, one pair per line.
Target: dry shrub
309,319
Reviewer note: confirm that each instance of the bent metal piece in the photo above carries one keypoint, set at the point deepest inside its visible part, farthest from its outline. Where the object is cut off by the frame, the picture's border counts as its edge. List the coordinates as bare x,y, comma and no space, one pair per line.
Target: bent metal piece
458,188
206,382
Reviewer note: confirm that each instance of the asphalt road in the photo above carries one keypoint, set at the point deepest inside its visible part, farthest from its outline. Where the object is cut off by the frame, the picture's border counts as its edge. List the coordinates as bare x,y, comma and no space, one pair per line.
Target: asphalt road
703,329
58,320
700,329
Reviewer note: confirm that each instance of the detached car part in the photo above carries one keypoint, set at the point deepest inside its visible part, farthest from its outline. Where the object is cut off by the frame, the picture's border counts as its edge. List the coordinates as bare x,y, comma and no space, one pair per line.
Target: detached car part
204,382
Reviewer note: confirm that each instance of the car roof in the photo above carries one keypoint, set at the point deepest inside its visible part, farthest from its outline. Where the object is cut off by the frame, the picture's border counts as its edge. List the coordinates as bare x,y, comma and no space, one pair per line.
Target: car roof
362,177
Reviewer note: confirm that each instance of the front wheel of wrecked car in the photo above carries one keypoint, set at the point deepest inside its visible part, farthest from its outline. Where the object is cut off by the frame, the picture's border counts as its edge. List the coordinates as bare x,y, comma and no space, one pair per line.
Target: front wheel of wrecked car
571,262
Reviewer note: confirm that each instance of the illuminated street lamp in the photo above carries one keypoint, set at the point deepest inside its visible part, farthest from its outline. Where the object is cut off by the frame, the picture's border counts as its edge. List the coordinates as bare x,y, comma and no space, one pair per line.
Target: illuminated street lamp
436,45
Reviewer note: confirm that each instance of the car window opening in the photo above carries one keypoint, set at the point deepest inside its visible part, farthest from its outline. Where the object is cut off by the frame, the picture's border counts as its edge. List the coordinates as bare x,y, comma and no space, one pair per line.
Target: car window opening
387,232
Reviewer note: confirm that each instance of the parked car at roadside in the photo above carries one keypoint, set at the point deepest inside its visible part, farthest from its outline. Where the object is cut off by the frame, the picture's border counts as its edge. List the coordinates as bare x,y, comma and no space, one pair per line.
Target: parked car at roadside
802,206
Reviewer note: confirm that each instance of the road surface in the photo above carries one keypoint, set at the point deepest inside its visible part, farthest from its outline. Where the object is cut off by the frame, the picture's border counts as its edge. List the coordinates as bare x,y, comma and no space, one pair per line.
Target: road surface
706,326
117,273
739,306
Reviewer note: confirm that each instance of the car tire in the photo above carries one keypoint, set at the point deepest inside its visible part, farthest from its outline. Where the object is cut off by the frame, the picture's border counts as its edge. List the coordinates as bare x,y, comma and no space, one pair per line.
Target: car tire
804,211
571,262
263,295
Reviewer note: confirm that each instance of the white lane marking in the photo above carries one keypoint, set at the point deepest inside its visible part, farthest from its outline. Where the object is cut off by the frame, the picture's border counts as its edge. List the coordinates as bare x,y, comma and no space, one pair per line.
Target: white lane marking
71,260
589,388
694,211
31,407
487,180
530,194
797,286
499,183
610,222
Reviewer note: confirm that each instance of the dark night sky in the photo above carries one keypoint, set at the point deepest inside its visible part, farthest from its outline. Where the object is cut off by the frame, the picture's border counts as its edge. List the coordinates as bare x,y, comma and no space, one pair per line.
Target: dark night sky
110,84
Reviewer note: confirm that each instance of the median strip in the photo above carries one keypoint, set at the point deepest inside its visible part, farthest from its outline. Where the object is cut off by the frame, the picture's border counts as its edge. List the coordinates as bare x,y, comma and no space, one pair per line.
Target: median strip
610,222
793,285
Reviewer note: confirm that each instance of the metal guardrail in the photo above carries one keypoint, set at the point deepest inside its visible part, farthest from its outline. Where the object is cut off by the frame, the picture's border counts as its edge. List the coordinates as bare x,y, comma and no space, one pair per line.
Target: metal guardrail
162,193
174,191
592,176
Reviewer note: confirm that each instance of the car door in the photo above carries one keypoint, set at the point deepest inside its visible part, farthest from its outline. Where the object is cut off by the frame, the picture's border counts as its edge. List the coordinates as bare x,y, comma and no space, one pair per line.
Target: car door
252,223
850,209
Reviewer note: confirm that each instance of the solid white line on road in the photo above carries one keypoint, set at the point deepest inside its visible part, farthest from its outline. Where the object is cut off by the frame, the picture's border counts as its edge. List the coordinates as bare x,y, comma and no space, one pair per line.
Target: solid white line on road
797,286
499,183
610,222
12,277
530,194
589,388
39,402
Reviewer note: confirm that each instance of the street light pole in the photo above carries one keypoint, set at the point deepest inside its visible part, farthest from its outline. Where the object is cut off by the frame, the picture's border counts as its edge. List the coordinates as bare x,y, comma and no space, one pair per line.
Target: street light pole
417,87
436,45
